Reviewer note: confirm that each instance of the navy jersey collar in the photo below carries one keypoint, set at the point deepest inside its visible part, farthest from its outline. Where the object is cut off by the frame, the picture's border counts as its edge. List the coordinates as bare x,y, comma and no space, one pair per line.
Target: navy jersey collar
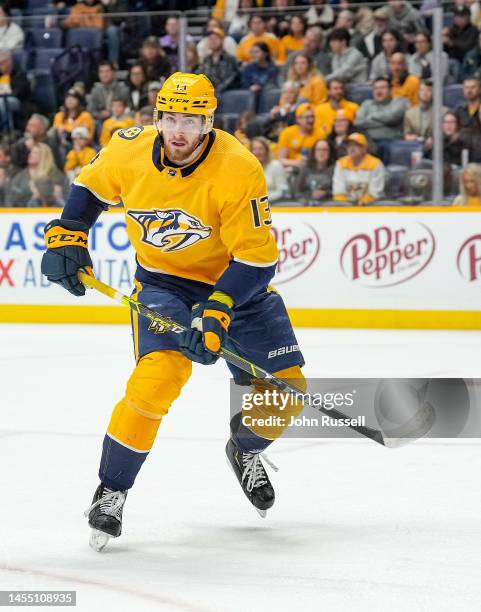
185,170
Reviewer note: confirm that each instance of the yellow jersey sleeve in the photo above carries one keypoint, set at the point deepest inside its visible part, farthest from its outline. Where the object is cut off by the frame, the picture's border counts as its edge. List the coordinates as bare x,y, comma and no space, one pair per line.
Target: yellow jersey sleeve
101,175
245,222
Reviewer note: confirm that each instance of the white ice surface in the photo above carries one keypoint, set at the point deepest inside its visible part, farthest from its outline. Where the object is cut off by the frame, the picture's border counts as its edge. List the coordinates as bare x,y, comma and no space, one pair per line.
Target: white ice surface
355,526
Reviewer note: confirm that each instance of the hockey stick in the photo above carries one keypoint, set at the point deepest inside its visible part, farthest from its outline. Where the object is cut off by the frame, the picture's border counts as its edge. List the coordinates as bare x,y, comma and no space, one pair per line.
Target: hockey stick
415,428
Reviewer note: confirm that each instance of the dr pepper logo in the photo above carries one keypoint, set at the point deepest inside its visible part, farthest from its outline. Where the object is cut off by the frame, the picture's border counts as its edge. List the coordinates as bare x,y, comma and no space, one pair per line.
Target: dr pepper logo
469,258
298,245
387,256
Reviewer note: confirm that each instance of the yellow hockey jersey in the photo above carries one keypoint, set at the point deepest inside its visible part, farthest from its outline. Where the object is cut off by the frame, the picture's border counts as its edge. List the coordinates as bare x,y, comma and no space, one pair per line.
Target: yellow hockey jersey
191,221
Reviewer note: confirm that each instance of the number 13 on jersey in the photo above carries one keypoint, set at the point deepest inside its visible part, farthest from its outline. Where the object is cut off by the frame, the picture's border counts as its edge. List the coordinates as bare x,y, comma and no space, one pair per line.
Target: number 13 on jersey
261,212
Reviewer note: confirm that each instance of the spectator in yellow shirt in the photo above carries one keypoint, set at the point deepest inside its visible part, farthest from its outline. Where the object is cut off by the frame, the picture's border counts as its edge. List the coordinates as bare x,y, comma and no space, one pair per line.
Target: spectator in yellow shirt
326,112
257,33
469,186
294,41
296,140
358,177
80,154
403,83
311,81
71,115
118,120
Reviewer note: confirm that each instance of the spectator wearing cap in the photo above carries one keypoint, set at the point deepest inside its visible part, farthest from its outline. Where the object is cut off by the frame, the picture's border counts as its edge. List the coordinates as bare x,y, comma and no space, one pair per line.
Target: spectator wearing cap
348,63
296,140
229,45
294,41
468,111
370,44
404,18
15,103
421,63
314,48
402,83
105,91
462,36
137,83
71,115
144,116
11,34
257,33
382,117
418,120
311,82
85,14
153,60
260,72
219,66
358,177
276,178
391,42
80,154
326,112
119,119
152,92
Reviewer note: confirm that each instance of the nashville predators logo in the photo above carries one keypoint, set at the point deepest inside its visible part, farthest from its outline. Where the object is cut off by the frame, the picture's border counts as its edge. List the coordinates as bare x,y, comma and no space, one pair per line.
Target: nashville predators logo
170,229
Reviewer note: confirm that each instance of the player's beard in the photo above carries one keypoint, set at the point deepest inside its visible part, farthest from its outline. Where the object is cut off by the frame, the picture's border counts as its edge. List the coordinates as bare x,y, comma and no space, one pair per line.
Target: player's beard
179,156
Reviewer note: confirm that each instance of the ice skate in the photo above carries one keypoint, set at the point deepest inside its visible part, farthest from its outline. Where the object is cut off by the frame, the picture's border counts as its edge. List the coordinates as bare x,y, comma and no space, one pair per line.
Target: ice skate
252,477
105,516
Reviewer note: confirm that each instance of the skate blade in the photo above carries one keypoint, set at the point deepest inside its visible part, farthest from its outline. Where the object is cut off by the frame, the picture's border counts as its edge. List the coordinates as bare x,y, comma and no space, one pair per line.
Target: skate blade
98,540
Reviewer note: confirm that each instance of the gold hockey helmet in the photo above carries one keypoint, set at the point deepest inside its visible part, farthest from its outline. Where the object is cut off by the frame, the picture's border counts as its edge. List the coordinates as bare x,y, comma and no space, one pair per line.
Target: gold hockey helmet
187,93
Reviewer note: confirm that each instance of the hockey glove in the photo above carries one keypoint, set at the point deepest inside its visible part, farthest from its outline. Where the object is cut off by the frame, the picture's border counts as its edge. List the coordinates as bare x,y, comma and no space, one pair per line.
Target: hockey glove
66,254
209,324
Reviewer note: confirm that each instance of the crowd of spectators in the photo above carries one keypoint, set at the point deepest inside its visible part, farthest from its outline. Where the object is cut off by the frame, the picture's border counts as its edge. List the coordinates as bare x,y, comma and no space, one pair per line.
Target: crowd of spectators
336,104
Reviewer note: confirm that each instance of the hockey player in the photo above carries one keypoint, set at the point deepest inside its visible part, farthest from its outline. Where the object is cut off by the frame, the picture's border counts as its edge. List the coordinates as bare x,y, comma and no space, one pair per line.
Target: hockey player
197,215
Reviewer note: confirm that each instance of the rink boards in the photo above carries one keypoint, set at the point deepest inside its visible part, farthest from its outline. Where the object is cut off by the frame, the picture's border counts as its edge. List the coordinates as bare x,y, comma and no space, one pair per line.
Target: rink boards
410,267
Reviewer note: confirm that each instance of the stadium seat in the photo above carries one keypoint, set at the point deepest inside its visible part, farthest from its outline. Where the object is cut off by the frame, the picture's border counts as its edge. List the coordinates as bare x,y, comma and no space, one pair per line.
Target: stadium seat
268,100
237,101
33,5
50,38
448,19
454,71
358,93
44,58
229,121
400,152
44,92
396,181
453,95
87,38
20,58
